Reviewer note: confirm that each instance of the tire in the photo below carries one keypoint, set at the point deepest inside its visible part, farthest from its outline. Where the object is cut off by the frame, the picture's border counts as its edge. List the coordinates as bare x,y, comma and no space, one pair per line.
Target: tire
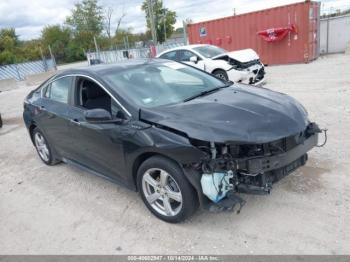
221,74
43,148
165,190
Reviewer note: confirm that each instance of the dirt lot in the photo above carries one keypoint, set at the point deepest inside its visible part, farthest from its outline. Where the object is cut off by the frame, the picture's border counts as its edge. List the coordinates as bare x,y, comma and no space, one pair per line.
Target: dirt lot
62,210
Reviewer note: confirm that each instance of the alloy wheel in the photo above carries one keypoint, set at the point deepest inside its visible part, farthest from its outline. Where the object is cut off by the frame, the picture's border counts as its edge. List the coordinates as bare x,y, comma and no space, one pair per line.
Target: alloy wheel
221,75
162,192
41,146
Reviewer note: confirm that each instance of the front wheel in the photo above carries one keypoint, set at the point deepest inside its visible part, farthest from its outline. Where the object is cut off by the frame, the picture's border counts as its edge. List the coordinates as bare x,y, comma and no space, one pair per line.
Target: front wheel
165,191
221,74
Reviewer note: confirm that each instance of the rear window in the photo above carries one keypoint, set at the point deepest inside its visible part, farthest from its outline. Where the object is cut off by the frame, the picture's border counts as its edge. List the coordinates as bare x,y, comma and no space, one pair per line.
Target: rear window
170,55
58,90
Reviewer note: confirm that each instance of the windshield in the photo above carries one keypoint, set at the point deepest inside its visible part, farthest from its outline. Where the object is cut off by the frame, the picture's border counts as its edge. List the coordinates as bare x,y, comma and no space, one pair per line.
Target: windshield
152,85
209,51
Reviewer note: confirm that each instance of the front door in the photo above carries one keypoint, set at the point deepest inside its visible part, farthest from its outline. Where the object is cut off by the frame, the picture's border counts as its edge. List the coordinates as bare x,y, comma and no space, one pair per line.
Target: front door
99,146
185,56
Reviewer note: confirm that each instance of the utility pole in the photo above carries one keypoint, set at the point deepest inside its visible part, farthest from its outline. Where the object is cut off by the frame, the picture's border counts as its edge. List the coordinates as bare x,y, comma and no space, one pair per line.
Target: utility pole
164,20
43,58
152,23
184,25
96,46
97,49
53,58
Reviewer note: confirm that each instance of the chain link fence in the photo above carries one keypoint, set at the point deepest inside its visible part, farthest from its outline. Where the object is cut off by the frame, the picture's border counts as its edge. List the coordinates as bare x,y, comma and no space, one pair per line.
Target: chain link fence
21,70
115,56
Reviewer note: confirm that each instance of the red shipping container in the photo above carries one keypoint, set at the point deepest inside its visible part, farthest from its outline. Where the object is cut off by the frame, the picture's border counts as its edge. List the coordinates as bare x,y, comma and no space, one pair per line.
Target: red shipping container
240,32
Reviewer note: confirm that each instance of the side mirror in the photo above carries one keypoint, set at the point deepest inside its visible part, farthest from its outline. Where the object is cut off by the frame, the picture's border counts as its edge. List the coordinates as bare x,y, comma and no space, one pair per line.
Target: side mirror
97,115
194,59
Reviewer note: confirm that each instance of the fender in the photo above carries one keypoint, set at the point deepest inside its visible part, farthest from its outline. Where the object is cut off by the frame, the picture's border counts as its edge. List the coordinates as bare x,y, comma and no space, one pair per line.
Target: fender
213,65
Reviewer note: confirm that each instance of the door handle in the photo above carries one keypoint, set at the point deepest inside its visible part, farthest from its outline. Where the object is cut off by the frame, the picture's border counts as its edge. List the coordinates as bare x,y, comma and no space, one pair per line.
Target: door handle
75,122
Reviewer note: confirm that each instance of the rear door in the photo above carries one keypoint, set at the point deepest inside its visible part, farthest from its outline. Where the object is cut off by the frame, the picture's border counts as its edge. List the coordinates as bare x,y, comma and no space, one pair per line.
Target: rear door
52,117
169,55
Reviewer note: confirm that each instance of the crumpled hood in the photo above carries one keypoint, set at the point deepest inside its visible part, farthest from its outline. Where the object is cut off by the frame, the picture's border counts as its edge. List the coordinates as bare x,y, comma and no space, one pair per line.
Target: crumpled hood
240,114
243,56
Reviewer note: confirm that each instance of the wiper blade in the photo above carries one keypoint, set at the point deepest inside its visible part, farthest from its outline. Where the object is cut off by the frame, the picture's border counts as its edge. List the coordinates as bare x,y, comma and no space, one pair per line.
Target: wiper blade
207,92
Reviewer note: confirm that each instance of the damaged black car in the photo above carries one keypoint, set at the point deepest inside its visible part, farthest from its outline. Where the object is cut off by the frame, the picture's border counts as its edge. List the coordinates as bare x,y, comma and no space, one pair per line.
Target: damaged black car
181,137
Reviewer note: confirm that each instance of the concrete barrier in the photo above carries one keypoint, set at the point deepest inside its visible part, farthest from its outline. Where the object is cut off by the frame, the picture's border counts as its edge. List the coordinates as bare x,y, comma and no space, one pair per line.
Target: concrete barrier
37,79
8,84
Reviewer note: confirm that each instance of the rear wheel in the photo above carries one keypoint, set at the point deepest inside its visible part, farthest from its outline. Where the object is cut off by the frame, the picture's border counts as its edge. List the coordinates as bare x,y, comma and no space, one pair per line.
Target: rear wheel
165,191
43,148
221,74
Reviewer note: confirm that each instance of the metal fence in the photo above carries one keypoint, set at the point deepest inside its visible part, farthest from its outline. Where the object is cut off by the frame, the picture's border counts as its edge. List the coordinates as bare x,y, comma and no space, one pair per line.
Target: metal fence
114,56
334,34
20,71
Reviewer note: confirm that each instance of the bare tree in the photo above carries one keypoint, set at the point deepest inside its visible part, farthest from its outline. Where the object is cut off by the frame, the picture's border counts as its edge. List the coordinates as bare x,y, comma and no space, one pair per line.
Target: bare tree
108,19
119,21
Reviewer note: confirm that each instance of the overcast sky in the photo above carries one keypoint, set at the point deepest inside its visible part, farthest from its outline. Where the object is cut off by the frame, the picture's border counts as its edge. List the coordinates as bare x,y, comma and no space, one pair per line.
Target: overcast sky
30,16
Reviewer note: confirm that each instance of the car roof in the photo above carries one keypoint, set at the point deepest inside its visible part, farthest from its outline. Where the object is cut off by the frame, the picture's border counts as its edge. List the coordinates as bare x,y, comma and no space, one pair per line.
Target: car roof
188,47
122,65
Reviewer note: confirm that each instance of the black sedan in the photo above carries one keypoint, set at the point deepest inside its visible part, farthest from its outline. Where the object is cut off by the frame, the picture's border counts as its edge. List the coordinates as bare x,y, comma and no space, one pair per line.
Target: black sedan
178,135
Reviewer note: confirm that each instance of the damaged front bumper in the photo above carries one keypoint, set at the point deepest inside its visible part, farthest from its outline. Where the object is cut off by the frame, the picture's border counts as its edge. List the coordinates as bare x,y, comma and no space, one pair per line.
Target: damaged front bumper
268,163
255,75
251,175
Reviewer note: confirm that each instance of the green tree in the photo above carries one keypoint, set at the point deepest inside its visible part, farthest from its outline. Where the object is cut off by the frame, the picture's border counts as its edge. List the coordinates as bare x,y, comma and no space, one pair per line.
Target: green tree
8,45
74,52
86,22
28,51
58,38
7,57
8,39
122,35
163,19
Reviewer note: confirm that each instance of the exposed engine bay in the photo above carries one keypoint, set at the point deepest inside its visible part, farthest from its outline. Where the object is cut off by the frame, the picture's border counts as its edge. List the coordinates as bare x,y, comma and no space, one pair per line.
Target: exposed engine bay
250,168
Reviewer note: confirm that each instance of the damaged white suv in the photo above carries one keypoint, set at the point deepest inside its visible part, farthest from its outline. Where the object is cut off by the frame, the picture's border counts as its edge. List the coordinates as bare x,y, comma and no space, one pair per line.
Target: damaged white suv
241,66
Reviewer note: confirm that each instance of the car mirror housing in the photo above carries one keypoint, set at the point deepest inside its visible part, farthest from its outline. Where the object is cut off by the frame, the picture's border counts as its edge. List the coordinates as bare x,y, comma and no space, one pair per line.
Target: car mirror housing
97,115
194,59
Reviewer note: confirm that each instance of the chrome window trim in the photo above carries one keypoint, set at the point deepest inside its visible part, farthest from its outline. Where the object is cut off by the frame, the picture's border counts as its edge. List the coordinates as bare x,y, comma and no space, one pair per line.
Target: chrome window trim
92,79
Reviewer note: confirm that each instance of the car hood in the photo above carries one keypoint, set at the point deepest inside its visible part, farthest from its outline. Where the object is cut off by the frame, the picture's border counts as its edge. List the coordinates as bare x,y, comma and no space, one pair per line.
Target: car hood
236,114
243,56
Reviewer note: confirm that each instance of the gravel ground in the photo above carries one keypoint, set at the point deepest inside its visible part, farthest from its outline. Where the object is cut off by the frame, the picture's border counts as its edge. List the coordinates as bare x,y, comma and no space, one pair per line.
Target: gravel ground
63,210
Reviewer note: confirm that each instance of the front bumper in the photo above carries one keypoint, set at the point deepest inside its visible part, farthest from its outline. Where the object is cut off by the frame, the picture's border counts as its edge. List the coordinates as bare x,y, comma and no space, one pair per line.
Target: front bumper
259,82
255,75
265,164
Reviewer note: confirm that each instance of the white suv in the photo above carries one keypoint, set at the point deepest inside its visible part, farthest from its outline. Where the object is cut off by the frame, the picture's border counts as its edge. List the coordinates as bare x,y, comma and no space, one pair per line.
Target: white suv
241,66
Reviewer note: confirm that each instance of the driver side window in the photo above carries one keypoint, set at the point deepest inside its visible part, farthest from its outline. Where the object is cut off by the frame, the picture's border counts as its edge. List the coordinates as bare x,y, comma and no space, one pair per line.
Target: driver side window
185,55
90,95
